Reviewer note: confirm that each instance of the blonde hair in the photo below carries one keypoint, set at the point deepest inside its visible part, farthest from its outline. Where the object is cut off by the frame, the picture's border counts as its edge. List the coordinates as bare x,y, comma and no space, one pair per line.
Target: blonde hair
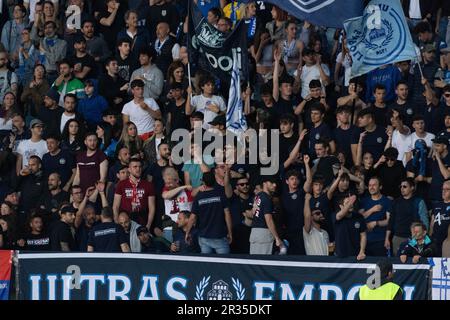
126,139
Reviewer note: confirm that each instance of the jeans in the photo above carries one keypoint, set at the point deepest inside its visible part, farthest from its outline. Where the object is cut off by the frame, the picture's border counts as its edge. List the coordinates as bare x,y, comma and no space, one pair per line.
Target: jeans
208,246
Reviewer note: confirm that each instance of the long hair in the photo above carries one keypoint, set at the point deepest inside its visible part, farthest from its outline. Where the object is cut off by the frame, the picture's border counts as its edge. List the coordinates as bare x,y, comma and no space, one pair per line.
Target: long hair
172,67
126,140
79,137
8,114
107,136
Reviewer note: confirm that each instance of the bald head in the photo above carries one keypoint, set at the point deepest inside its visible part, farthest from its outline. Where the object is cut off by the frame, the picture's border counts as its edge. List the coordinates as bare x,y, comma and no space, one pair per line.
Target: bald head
162,30
125,221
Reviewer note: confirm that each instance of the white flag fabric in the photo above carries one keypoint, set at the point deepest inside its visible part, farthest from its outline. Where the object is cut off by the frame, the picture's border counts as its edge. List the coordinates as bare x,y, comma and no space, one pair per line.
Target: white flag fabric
236,121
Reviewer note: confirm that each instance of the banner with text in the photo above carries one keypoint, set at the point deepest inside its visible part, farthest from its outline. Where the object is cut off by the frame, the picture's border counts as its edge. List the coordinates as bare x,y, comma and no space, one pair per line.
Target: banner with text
440,285
96,276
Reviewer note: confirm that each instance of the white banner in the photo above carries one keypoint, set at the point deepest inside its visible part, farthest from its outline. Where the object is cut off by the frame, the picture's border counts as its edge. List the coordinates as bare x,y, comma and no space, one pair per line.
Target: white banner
441,279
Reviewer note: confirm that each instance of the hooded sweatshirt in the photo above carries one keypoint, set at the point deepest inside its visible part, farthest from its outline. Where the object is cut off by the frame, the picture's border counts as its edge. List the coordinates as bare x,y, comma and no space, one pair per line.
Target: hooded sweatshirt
91,108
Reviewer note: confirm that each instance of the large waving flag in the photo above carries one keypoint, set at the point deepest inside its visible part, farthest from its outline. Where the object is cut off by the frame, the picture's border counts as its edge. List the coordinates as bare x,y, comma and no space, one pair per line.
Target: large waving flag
327,13
381,36
236,121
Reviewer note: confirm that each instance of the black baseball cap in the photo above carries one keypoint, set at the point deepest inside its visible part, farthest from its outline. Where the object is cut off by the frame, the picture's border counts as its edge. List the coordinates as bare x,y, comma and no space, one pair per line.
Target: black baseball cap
269,178
68,209
141,229
365,112
440,140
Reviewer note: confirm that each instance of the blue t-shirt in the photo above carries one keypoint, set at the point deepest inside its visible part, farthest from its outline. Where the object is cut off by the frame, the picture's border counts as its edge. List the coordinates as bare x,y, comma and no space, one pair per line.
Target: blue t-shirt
293,204
206,5
316,134
209,207
378,233
107,237
263,205
441,212
343,140
62,163
348,235
374,142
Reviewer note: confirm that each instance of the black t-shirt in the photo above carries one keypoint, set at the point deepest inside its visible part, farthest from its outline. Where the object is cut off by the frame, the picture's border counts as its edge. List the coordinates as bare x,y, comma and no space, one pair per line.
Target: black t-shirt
237,207
107,237
286,146
263,205
82,236
437,179
347,235
321,132
441,212
110,32
407,110
343,140
126,67
209,207
61,232
37,242
283,106
380,115
51,203
325,168
86,61
307,112
179,119
293,204
391,177
374,142
63,163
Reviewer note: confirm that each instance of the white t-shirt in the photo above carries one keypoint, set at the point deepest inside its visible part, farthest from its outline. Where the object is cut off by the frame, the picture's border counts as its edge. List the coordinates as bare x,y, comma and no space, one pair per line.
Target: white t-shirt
5,125
413,138
311,73
64,120
316,242
401,143
141,118
200,103
28,148
32,4
414,9
347,64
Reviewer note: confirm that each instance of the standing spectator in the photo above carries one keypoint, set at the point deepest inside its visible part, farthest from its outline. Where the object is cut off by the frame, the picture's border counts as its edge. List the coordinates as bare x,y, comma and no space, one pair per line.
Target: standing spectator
149,73
402,102
418,123
108,236
151,146
161,11
35,146
59,161
107,143
130,140
440,168
31,6
316,239
405,210
211,214
28,58
61,237
72,138
179,244
135,196
84,66
264,231
379,106
391,172
350,229
34,91
139,37
92,106
207,103
387,76
44,11
313,69
125,61
323,164
177,117
52,200
50,112
92,165
343,133
376,210
319,131
36,238
166,48
111,21
11,33
112,86
70,106
8,79
52,49
440,219
141,111
96,46
66,83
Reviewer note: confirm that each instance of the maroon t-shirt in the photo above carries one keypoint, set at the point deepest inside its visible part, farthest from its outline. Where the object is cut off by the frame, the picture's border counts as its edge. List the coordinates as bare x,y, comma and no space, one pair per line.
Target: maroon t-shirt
89,168
144,190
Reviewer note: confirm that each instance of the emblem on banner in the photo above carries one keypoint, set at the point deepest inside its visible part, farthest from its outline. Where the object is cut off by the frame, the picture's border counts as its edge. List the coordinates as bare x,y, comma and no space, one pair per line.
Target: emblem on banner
220,290
311,5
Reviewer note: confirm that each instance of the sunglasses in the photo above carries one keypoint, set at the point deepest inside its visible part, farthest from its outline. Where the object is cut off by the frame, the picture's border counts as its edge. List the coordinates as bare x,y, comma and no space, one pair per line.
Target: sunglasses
243,184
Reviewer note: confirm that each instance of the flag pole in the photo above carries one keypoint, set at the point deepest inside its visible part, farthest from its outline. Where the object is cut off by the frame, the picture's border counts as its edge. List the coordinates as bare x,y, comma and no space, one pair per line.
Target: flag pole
189,62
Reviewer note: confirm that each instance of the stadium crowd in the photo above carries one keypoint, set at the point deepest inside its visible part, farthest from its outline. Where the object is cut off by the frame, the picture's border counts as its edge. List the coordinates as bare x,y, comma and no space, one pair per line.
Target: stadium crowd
87,114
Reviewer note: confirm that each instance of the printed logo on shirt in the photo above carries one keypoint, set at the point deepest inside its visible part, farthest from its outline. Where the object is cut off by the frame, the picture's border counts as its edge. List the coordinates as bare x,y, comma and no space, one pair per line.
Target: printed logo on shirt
129,193
357,225
409,111
209,200
379,140
294,196
62,161
163,13
38,242
105,232
317,136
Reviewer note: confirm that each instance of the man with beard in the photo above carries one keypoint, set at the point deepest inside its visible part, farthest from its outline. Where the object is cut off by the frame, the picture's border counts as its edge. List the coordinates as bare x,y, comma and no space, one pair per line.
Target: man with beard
124,60
440,219
130,227
36,239
241,204
52,50
136,196
66,83
264,231
50,112
112,86
61,237
84,66
92,164
154,171
51,201
70,104
316,239
96,46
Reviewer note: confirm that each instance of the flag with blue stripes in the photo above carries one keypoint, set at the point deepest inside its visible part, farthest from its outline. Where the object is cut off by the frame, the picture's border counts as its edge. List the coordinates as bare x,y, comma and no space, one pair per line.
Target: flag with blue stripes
381,36
236,121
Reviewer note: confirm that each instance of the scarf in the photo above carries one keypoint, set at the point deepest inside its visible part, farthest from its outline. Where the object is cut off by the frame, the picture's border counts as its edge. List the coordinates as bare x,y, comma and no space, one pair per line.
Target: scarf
135,202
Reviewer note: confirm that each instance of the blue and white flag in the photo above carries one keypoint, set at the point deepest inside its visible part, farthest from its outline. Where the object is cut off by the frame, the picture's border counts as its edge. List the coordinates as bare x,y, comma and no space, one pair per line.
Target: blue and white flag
236,121
327,13
381,36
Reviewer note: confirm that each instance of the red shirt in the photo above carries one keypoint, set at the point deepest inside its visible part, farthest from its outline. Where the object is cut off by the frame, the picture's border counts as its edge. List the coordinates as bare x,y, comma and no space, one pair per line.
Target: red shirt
126,190
89,168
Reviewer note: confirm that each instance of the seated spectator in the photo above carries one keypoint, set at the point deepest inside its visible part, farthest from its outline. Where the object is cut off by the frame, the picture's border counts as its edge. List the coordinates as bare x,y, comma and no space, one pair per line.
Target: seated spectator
150,244
419,245
34,92
130,227
107,142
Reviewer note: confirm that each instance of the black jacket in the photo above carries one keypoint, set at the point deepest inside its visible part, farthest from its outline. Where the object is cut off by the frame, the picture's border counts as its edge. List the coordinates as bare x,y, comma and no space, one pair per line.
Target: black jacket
413,249
31,188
